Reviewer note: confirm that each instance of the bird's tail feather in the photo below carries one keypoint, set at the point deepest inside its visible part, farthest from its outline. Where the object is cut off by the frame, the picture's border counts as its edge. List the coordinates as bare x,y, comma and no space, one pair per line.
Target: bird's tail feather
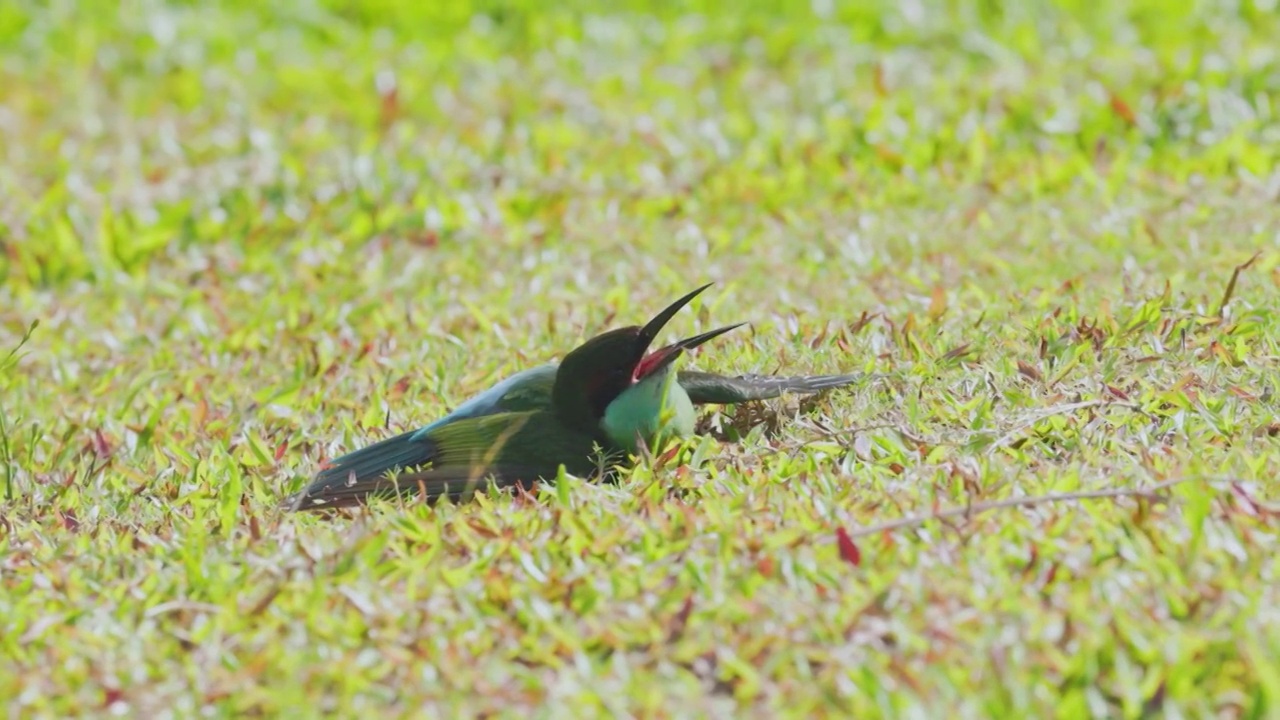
704,388
813,383
370,464
429,485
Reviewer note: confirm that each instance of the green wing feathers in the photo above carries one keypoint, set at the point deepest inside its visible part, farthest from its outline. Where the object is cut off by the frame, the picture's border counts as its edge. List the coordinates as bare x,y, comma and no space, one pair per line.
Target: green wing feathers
460,457
533,393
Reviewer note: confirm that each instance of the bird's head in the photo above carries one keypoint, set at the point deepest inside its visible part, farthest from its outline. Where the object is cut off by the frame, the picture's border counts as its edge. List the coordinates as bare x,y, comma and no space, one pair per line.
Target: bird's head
597,371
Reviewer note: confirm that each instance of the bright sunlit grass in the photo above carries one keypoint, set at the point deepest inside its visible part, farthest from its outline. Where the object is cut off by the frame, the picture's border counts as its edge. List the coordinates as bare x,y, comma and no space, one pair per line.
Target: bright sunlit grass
258,235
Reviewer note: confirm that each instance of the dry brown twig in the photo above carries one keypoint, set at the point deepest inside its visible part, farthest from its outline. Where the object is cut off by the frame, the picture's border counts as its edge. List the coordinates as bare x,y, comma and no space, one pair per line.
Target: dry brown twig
1149,493
1065,409
1231,284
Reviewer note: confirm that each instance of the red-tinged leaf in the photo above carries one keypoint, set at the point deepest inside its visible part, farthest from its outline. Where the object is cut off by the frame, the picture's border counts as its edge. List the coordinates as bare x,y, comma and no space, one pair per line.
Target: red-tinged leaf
280,449
765,565
111,696
1242,394
1250,504
889,155
69,521
389,108
1031,561
1154,704
681,620
849,551
818,339
400,387
1122,110
972,214
523,495
101,448
1151,231
425,238
957,352
1243,501
900,671
666,456
1222,353
388,98
1117,392
1028,370
1231,284
937,302
896,468
480,528
861,322
265,601
1050,576
878,80
255,530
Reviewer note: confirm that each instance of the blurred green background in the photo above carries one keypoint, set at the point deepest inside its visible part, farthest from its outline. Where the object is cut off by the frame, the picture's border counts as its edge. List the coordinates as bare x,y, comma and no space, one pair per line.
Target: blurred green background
365,130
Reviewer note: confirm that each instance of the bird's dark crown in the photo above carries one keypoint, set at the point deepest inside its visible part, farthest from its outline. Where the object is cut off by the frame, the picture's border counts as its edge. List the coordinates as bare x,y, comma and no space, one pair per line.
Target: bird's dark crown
596,372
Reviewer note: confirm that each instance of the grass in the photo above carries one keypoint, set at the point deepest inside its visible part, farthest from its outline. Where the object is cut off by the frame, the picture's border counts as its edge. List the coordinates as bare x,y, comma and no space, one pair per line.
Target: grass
254,236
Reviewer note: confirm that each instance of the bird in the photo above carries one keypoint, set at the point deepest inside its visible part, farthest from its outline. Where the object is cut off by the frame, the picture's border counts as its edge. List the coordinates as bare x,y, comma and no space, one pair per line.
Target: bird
610,394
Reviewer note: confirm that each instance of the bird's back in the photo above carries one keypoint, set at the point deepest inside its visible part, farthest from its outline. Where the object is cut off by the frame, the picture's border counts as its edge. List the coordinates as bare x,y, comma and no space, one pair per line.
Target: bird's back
526,390
510,448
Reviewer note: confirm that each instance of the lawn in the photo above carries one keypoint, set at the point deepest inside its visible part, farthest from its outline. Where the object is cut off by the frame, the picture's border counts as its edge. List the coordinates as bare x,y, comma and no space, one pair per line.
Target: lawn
238,239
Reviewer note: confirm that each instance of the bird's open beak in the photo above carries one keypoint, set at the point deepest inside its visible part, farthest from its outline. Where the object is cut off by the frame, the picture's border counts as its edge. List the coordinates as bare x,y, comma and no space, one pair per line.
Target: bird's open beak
664,356
650,331
647,362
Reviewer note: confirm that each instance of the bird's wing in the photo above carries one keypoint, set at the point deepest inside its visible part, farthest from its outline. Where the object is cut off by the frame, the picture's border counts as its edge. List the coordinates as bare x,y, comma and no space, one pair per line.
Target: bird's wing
401,452
706,387
510,448
526,390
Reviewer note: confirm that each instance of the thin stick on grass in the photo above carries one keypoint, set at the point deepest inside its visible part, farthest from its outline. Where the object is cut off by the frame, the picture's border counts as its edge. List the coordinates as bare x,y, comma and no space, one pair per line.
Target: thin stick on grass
1231,284
1065,409
1148,493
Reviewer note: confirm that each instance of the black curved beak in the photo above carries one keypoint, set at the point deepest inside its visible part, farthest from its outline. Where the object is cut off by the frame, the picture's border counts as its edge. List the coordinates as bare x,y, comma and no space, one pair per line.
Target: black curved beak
650,331
646,363
693,342
666,355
